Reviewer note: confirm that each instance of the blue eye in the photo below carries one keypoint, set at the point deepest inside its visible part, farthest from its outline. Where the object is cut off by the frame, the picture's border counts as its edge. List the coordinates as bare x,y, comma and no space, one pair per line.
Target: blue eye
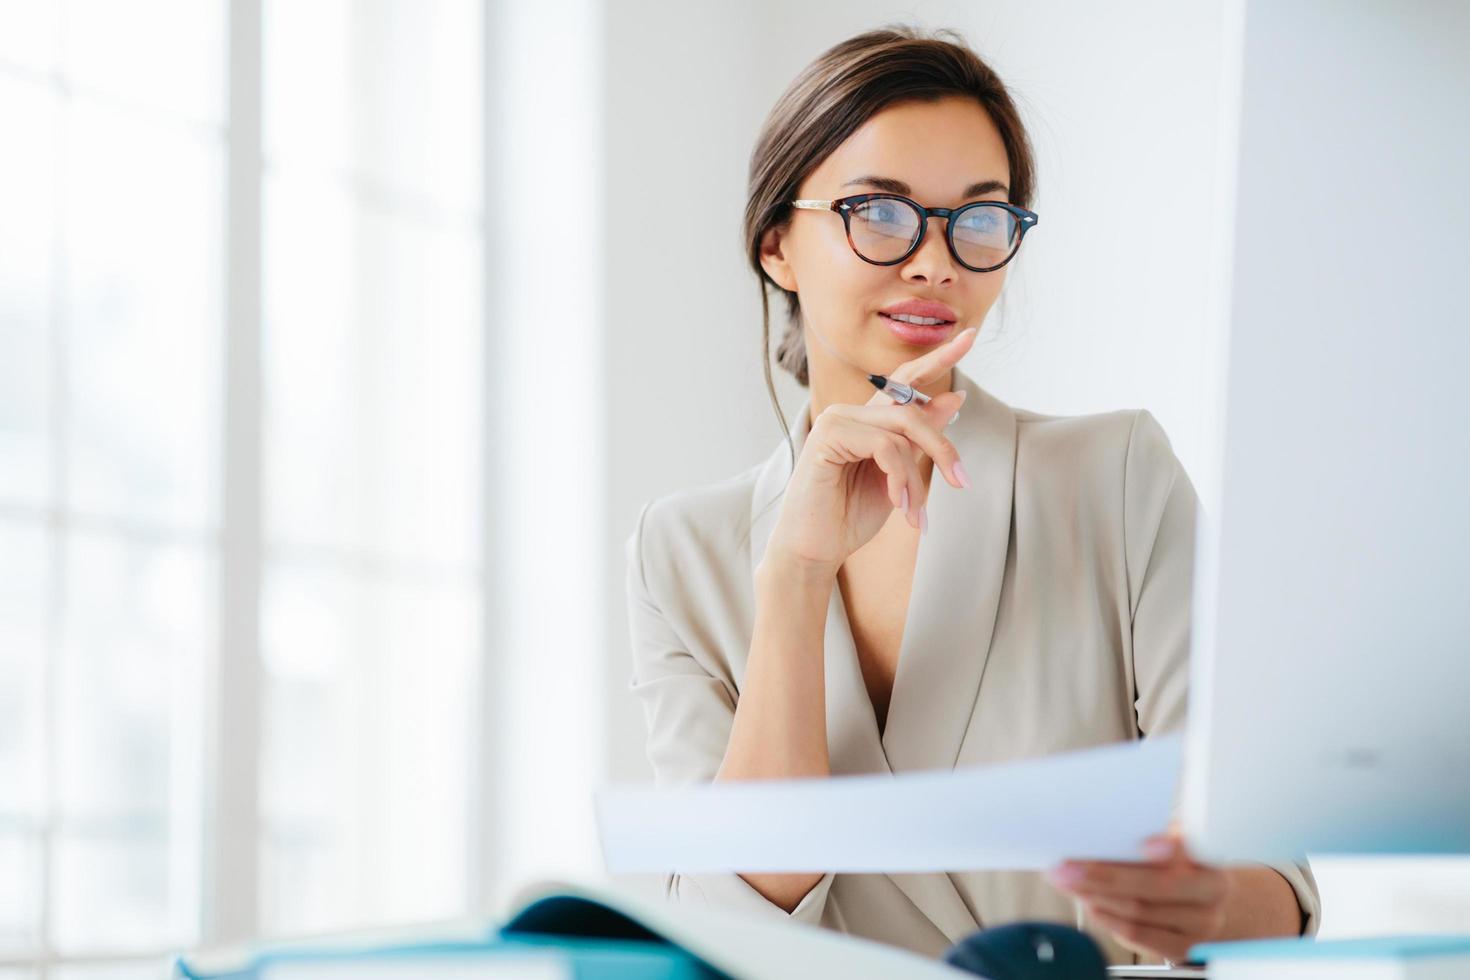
881,212
988,226
982,220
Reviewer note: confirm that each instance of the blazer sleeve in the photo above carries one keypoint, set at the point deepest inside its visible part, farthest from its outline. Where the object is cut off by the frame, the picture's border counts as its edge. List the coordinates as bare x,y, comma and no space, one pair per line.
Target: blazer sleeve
1159,515
689,712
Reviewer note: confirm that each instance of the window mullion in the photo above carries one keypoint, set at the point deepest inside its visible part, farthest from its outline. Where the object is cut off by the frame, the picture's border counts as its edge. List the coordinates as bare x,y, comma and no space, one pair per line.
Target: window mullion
232,883
56,527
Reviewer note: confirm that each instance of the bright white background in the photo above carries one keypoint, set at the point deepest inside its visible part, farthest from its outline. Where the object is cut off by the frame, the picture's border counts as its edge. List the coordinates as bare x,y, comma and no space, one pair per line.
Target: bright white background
305,624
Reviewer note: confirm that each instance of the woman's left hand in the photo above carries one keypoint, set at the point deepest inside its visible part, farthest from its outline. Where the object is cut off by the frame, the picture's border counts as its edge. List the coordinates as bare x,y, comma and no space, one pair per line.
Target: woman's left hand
1162,906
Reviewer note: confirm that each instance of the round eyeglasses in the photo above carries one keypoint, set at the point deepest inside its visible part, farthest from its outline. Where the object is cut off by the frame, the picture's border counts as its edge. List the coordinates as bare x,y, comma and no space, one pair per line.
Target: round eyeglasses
885,229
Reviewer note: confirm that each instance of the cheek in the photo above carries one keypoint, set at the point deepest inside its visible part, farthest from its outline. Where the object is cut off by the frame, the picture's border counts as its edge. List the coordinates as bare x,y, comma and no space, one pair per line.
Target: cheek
864,289
838,286
988,284
987,291
838,300
820,244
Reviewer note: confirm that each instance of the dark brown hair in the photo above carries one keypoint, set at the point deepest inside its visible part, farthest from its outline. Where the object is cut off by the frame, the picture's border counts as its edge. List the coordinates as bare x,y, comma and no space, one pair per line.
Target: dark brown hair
824,105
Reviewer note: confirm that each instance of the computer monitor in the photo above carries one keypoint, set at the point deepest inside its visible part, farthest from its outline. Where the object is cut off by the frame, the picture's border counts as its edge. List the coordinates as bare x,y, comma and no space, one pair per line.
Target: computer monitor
1330,692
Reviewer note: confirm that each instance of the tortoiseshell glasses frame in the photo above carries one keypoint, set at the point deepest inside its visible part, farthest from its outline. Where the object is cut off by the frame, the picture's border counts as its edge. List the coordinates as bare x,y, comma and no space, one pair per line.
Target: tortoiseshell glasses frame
1025,221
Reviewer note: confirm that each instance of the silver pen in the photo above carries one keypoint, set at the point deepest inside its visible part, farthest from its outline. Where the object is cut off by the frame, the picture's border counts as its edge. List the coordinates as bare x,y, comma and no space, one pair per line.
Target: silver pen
898,391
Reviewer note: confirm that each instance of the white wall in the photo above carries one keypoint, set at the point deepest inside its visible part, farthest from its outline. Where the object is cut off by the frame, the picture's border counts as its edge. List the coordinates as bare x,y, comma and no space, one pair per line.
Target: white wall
686,401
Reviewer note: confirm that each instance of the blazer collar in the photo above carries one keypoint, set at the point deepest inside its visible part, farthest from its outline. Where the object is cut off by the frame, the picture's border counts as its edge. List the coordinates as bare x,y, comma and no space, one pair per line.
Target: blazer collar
948,629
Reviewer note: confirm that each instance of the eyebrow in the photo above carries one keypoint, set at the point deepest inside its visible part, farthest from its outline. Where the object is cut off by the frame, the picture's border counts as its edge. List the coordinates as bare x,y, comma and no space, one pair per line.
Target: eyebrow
899,187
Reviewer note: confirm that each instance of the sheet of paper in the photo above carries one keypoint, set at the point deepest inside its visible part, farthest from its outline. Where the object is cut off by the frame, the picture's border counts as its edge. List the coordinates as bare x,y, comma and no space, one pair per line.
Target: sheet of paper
1099,803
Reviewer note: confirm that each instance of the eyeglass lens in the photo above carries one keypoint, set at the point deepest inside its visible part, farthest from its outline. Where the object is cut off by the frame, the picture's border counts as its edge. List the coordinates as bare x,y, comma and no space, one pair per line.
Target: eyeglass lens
883,229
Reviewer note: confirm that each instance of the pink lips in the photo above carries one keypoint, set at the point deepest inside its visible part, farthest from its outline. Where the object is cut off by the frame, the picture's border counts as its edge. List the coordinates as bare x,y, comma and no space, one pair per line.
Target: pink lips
921,307
916,333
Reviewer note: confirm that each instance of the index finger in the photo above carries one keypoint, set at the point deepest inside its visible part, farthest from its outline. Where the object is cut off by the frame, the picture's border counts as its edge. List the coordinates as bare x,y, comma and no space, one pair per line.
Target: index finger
929,366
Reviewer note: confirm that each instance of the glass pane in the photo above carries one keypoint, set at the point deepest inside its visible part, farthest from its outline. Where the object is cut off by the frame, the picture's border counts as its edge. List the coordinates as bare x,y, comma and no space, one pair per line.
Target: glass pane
153,969
28,33
138,622
112,894
144,305
24,595
168,55
372,366
20,891
367,749
28,115
388,89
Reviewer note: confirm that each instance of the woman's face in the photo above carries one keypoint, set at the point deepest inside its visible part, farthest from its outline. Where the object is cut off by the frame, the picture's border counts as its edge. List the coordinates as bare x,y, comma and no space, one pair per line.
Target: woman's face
937,150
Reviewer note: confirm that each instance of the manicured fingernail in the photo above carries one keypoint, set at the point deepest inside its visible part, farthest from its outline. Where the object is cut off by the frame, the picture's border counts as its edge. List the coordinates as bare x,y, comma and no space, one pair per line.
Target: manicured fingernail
963,395
961,475
924,519
903,500
952,420
1066,875
1158,850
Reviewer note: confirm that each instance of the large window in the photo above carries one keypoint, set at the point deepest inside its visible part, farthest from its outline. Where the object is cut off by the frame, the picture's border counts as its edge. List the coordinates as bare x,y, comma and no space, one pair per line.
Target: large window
371,360
240,358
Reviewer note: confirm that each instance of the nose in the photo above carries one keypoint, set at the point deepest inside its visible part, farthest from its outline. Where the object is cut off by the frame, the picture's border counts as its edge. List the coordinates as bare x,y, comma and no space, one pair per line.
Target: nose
931,262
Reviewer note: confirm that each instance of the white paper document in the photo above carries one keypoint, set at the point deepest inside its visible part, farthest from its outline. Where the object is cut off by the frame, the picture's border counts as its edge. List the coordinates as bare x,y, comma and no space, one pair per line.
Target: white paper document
1099,803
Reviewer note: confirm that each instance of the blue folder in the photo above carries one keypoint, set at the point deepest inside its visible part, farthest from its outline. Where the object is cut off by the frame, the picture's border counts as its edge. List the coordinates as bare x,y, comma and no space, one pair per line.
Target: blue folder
587,939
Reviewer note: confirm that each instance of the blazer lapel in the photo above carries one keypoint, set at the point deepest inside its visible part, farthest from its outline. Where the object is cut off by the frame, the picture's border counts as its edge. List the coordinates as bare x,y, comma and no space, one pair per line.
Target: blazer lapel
947,632
951,620
956,591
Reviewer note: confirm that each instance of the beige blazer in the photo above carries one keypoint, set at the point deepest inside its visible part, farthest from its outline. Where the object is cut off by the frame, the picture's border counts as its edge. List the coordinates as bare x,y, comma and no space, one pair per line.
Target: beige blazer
1049,612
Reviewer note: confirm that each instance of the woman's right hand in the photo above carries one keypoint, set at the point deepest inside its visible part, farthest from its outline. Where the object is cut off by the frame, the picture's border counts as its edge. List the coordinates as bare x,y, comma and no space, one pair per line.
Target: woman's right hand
860,462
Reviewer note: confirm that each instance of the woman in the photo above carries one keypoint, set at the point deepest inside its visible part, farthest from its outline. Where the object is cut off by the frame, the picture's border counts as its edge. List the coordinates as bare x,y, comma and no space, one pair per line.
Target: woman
835,609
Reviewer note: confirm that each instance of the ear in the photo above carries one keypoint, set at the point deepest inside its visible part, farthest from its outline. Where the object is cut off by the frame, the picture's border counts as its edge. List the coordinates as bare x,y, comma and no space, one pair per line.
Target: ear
773,259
